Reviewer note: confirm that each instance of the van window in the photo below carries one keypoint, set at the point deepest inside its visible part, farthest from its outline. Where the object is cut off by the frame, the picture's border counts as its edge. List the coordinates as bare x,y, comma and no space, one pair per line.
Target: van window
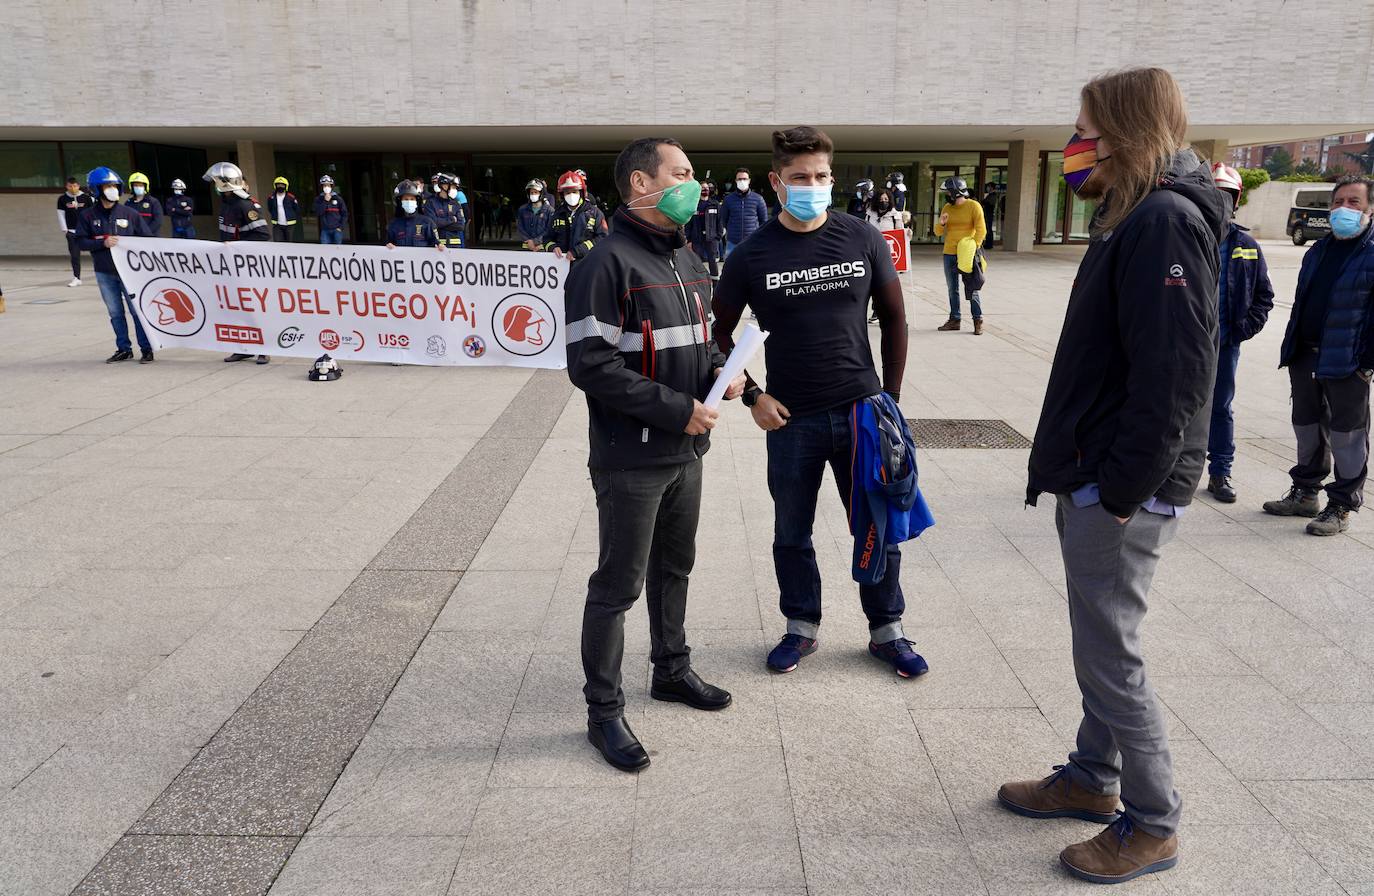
1313,199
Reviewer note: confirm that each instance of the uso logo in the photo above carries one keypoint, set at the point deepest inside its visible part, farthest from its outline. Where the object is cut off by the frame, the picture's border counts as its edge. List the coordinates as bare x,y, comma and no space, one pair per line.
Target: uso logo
393,340
171,306
524,324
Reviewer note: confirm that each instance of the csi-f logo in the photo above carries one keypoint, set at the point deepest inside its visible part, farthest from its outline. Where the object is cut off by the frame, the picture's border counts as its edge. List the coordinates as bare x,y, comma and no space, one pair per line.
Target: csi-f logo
524,324
290,337
172,307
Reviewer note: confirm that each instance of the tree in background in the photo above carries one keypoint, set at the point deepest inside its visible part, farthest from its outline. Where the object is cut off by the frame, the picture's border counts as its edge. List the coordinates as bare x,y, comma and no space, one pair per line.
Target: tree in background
1249,179
1307,166
1279,163
1364,159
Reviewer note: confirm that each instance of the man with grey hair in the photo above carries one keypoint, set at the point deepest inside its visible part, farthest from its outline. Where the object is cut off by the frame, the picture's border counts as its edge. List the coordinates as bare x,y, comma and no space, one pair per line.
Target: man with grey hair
1329,353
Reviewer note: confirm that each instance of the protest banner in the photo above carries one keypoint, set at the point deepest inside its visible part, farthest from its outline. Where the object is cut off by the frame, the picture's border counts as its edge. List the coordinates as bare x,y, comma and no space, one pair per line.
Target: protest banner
897,245
366,303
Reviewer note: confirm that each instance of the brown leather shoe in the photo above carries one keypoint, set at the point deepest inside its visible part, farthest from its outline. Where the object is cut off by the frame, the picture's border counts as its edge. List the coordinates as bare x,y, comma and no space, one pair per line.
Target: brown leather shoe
1120,853
1057,797
949,325
977,326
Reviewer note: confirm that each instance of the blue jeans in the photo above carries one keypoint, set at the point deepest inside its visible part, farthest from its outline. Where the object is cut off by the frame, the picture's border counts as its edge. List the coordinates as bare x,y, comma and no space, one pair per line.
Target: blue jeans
331,237
112,291
797,456
1221,441
183,233
952,282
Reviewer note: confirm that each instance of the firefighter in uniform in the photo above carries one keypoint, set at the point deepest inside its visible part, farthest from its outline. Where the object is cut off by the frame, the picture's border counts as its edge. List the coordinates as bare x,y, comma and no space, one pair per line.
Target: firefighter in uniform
704,231
180,208
241,217
410,227
577,223
283,208
146,204
332,212
444,209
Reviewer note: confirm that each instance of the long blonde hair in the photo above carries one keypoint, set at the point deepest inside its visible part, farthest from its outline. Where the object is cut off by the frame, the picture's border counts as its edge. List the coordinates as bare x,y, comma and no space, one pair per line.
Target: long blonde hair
1141,113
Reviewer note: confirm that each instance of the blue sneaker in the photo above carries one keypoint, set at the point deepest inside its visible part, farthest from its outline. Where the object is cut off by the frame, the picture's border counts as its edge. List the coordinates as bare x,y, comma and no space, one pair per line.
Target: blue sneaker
899,654
790,650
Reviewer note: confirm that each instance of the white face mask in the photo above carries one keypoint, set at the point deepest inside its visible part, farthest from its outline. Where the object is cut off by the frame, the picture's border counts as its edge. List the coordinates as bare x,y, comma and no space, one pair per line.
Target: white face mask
742,184
177,192
572,199
408,206
328,189
138,191
534,197
111,194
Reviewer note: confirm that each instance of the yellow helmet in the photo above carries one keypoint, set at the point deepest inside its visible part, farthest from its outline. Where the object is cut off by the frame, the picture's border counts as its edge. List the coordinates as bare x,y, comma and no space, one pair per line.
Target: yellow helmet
138,178
283,181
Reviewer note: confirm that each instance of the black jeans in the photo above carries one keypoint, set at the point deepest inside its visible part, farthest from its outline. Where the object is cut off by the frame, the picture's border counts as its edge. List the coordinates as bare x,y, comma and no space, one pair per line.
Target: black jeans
282,233
648,525
797,457
74,250
1331,421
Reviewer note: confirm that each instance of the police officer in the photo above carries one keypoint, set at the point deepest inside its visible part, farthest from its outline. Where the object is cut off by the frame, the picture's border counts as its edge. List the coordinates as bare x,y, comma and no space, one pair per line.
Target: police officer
863,193
410,228
241,217
445,210
533,220
284,209
332,212
180,209
704,231
145,204
70,205
577,223
99,228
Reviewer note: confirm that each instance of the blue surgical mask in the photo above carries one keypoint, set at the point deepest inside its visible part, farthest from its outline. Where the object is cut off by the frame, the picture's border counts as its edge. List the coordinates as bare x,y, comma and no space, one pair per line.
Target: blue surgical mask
1346,222
807,203
409,205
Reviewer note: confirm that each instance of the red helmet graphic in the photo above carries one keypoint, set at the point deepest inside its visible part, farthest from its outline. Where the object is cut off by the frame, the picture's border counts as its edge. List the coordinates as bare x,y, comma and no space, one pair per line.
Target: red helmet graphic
174,306
522,324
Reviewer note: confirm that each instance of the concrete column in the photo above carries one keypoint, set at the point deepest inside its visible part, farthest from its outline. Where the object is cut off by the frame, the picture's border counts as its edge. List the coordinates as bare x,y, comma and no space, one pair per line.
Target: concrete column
1211,150
258,161
1023,171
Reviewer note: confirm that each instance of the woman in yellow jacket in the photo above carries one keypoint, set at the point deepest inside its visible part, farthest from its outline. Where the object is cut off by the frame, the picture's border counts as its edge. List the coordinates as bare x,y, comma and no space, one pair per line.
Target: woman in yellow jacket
961,217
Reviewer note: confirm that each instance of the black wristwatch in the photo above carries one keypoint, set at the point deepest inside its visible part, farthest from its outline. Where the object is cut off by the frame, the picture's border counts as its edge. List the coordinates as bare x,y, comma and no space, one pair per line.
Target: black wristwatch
751,396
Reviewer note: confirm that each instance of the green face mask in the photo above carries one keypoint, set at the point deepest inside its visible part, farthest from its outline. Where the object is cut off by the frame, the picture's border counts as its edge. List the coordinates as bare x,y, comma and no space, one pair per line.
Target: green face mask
679,202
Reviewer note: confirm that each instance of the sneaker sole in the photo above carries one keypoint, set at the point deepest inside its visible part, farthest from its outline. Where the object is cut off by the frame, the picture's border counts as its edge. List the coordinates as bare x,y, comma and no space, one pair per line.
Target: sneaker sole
1161,865
1080,814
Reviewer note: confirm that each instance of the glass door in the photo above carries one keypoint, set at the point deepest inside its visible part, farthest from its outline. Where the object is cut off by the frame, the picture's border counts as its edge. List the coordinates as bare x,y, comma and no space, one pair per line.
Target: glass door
992,194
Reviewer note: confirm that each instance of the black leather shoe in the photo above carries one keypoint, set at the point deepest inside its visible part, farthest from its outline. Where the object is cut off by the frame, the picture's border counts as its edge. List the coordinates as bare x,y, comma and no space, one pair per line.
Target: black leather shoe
692,691
618,744
1221,489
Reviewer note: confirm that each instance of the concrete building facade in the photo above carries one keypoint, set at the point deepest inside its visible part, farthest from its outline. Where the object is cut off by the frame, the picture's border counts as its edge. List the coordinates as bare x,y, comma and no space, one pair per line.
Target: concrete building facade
499,92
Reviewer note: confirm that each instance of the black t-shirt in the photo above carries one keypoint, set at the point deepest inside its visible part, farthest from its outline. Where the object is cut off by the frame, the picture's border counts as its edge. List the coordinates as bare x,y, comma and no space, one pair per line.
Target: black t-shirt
810,292
71,206
1315,300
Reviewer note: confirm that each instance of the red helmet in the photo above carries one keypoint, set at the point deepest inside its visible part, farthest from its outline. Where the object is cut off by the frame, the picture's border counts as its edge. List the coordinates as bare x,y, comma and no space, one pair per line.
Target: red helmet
1227,178
571,180
174,306
522,324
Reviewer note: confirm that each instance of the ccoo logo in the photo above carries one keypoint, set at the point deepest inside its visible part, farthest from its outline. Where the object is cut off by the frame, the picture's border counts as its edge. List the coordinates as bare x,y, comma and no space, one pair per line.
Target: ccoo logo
172,307
524,324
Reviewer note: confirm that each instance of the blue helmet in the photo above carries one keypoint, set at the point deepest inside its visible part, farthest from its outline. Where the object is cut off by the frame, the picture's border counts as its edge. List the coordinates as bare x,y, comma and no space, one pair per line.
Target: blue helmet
102,176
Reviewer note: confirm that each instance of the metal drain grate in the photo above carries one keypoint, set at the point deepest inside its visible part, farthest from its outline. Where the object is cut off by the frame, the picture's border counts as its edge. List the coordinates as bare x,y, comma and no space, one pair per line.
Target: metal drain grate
966,434
45,302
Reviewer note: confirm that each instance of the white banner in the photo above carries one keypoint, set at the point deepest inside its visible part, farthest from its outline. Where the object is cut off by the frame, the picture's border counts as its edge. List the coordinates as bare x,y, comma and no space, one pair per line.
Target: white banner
368,303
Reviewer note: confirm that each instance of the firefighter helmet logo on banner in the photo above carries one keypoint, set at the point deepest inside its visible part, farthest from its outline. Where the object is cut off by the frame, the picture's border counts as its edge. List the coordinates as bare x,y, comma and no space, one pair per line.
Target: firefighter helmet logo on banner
170,306
524,324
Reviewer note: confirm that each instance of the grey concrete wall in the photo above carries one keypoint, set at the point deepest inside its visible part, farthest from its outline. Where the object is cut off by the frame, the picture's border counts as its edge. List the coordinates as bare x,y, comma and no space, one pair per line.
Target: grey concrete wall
28,226
310,63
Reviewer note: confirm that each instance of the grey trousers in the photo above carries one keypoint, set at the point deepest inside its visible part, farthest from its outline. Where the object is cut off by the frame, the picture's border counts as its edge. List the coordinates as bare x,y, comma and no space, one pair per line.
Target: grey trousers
1123,741
1331,421
648,529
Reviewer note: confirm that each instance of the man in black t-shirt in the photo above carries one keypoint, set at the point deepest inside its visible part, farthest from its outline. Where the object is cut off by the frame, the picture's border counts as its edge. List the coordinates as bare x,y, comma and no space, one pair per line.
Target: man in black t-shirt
70,205
808,275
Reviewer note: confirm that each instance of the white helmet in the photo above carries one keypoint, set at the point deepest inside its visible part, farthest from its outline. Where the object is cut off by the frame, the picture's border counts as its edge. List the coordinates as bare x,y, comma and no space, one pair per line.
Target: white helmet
227,178
178,184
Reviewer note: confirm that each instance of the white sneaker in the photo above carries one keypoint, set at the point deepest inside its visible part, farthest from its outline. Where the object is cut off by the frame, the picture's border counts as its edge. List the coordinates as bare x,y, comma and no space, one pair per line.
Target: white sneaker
76,281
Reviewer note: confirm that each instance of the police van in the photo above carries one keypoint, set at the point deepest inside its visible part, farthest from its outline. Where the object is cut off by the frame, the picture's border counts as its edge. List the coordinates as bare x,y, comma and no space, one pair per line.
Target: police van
1307,219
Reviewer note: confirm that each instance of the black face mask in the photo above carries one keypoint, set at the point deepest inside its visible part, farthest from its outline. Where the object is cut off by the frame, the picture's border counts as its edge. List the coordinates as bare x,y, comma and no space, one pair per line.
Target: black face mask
281,189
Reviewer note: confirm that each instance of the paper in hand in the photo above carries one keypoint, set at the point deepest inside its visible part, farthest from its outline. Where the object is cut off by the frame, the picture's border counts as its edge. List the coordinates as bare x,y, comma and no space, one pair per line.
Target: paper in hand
750,341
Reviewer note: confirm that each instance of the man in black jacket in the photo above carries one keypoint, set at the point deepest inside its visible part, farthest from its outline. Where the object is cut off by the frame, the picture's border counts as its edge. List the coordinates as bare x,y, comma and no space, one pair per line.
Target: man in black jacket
639,346
1121,441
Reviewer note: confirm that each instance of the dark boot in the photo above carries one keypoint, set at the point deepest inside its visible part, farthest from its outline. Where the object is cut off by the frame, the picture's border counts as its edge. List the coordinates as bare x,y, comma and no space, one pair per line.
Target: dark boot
1221,489
977,326
618,744
690,689
1297,502
948,326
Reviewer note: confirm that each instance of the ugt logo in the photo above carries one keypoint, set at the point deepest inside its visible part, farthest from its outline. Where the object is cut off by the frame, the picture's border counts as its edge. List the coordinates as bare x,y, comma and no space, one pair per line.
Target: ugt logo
524,324
171,306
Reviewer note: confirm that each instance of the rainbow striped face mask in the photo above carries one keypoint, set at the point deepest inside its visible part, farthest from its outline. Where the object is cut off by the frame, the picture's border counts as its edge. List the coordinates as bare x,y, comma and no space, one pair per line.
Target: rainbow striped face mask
1080,158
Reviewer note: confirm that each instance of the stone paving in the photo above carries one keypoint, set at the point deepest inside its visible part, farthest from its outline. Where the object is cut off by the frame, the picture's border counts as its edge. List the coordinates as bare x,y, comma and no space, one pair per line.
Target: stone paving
258,633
